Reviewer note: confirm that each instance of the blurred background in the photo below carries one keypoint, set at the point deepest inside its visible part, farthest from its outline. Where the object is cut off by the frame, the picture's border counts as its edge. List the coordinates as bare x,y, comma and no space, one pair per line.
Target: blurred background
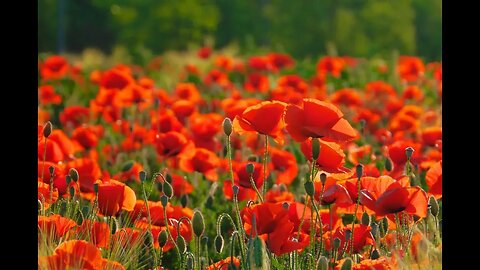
301,28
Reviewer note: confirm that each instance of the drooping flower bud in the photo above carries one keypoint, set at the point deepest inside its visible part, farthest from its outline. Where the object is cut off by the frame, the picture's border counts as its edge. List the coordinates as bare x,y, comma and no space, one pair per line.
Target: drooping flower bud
51,170
323,178
365,219
315,148
167,189
336,243
73,174
434,208
143,176
198,223
309,188
182,244
162,238
359,170
409,152
250,168
235,190
347,264
164,200
184,200
219,242
47,129
388,164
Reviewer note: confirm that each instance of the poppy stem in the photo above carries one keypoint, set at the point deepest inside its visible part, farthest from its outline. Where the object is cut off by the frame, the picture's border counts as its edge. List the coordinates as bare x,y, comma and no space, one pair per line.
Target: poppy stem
255,188
165,220
265,157
240,226
44,157
229,154
398,226
150,224
355,214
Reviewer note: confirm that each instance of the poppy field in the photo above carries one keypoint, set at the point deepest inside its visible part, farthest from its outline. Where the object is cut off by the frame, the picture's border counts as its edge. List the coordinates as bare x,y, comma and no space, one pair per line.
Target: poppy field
212,160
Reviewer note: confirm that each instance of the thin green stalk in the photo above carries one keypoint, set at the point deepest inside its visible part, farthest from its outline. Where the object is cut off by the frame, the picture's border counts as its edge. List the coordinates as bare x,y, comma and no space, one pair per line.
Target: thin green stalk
355,214
150,224
165,220
265,157
255,188
44,157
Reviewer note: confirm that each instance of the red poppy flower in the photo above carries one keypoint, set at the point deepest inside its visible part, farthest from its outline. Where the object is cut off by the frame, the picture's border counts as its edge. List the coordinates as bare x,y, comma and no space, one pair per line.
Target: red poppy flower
413,92
379,90
276,195
116,79
180,185
47,95
134,95
53,153
224,264
330,65
86,136
204,52
55,225
131,175
73,254
286,94
284,164
331,158
258,62
265,118
114,196
317,119
236,106
224,62
127,237
396,152
434,180
256,82
217,77
171,144
74,115
58,177
88,170
203,161
188,91
44,194
279,61
97,232
346,96
54,67
362,237
410,68
242,180
183,109
430,135
293,81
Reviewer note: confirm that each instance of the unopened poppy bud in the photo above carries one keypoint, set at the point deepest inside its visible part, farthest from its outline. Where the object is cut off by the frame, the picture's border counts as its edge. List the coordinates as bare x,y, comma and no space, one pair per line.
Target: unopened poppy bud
323,178
143,176
315,148
68,179
182,244
162,238
252,158
257,255
409,152
73,174
51,170
219,242
47,129
184,200
167,189
347,264
95,187
235,190
374,255
198,223
282,187
189,262
285,205
127,166
169,178
348,235
164,200
384,224
309,188
365,219
388,164
227,126
209,201
159,186
359,170
375,230
434,208
336,243
322,263
250,168
72,191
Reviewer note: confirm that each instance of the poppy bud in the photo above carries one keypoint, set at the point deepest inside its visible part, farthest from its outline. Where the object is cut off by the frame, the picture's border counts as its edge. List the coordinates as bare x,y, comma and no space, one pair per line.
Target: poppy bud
143,176
73,174
127,166
227,126
68,179
219,242
184,200
348,235
235,190
72,191
189,262
323,178
95,188
162,238
164,200
433,206
198,224
347,264
282,187
388,164
409,152
359,170
375,230
182,244
285,205
160,186
250,168
47,129
51,170
384,224
365,219
169,178
336,243
209,201
252,158
167,189
148,239
374,255
310,188
315,148
322,263
257,255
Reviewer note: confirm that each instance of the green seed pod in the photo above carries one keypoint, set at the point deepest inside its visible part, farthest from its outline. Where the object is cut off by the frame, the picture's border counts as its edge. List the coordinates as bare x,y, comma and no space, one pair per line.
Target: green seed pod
143,176
322,263
336,243
164,200
323,178
374,255
51,170
359,170
347,264
235,190
72,191
227,126
169,178
198,223
388,164
348,235
409,152
95,188
250,168
434,208
219,242
167,189
184,200
315,148
365,219
309,188
189,262
209,202
182,244
285,205
73,174
162,238
47,129
257,255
